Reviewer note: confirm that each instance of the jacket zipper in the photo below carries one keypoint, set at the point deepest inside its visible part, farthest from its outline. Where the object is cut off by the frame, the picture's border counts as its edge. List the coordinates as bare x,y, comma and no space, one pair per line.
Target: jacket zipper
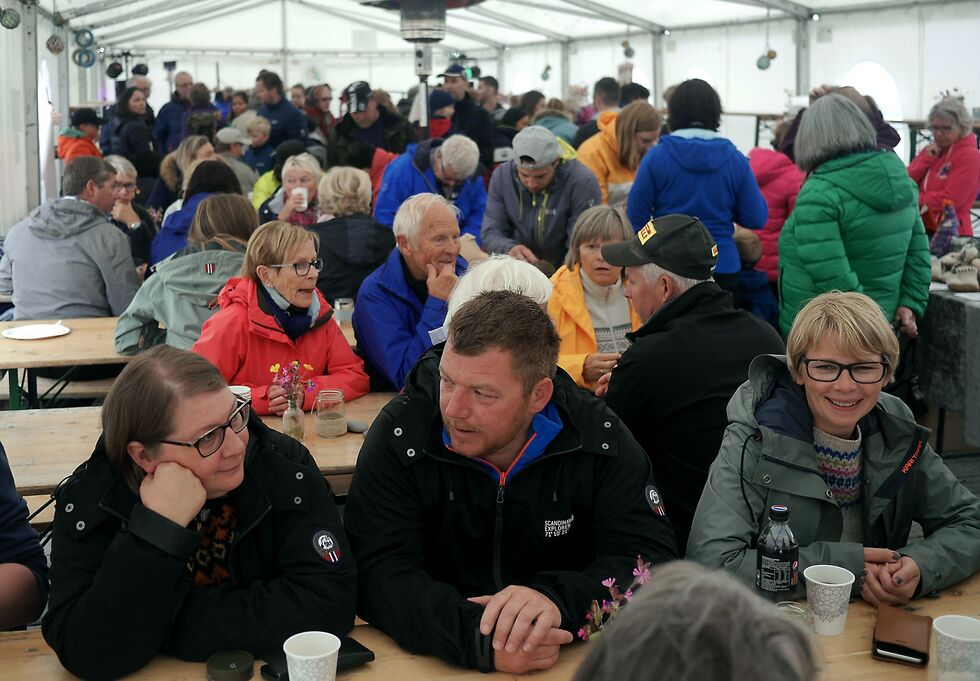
498,533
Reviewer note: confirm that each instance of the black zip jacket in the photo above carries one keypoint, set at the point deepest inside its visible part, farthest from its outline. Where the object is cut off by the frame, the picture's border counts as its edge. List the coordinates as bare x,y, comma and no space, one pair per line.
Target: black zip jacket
431,528
121,592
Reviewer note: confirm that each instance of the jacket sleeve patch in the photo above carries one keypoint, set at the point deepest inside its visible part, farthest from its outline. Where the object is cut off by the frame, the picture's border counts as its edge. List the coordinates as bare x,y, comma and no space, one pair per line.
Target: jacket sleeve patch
326,546
654,500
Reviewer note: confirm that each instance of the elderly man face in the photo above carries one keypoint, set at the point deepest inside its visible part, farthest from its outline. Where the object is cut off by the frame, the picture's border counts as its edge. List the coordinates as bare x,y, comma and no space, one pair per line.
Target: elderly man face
182,85
365,119
436,243
646,297
141,83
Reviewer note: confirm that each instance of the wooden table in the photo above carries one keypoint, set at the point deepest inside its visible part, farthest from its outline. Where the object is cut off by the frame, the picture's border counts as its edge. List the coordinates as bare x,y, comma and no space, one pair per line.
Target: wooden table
25,655
44,446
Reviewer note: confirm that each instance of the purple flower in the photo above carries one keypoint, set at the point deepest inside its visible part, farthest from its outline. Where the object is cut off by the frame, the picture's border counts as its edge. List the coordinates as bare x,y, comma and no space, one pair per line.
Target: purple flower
642,572
611,581
628,595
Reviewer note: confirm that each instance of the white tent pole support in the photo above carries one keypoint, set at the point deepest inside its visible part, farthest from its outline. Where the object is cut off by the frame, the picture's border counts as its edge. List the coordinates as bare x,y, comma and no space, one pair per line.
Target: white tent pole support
270,52
500,67
616,15
64,69
284,38
94,7
791,8
560,10
32,158
802,56
566,76
879,7
514,23
213,12
657,86
165,6
158,25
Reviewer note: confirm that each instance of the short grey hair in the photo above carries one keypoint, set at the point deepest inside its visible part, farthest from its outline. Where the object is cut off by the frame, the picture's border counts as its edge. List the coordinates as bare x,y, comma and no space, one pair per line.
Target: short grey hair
604,223
122,165
651,272
953,109
136,80
499,273
408,219
79,171
461,155
304,161
690,623
833,126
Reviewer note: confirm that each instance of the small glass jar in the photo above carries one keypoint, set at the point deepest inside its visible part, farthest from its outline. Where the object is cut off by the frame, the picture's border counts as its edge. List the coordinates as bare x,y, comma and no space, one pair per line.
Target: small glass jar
331,420
292,421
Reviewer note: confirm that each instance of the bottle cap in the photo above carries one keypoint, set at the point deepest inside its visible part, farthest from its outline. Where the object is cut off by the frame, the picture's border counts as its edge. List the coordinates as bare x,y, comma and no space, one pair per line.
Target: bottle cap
230,665
778,512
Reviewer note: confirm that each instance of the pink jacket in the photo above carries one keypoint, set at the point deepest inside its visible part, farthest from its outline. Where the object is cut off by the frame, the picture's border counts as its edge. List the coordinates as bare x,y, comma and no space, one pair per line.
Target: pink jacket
953,175
779,181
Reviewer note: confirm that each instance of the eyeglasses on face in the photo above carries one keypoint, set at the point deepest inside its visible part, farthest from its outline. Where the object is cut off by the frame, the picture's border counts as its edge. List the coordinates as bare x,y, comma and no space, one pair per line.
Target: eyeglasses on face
828,371
941,128
301,268
124,186
211,441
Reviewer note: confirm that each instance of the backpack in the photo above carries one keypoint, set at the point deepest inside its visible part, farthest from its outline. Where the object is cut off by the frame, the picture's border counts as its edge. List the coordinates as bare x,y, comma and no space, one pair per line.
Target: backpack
202,123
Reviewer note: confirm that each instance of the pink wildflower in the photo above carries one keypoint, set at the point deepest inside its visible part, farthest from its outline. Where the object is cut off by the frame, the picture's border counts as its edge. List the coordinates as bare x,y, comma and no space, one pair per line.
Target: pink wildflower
583,634
609,582
642,573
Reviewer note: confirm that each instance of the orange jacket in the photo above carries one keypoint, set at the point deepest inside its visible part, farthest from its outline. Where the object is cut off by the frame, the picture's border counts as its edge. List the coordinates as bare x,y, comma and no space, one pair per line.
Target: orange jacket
600,154
244,342
71,147
567,307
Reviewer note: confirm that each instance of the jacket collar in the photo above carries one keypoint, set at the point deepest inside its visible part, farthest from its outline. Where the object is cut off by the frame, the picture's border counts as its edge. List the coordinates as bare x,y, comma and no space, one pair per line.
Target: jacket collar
243,291
392,277
700,299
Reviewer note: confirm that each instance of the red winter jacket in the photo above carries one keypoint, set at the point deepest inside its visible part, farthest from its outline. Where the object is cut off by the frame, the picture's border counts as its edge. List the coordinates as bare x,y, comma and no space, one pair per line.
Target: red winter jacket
953,175
244,342
779,181
379,163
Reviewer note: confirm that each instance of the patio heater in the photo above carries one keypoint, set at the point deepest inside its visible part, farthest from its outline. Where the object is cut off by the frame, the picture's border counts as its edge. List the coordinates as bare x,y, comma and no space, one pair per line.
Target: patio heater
423,22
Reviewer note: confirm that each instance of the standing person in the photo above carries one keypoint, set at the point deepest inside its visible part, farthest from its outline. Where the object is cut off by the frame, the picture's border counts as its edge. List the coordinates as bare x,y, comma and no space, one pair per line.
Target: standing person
130,136
696,171
229,145
318,114
78,139
169,123
286,121
143,84
605,97
469,117
856,225
489,96
365,121
531,101
297,96
202,117
949,168
240,115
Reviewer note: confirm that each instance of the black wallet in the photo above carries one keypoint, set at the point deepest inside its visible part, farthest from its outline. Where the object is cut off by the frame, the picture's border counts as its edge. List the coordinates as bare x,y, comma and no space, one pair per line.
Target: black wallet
352,654
901,637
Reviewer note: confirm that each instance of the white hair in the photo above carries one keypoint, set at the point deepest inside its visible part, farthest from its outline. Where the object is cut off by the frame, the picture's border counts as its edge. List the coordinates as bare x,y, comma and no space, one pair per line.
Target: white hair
651,272
461,155
408,219
832,127
122,165
499,273
953,109
303,161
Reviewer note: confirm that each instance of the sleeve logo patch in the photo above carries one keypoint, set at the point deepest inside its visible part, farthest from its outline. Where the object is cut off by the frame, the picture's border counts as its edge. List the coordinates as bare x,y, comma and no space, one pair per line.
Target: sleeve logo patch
646,232
655,502
326,546
714,251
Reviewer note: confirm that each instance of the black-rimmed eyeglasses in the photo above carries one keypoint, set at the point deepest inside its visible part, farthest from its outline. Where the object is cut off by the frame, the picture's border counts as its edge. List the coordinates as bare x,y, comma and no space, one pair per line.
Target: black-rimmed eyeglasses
211,441
828,371
301,268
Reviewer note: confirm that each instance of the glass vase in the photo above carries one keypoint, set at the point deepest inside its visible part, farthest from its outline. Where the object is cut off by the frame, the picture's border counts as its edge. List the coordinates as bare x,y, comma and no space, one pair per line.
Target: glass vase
292,421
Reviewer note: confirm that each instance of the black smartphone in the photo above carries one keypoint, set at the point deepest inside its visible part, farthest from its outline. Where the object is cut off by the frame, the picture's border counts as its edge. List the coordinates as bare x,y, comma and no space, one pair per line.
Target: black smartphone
352,654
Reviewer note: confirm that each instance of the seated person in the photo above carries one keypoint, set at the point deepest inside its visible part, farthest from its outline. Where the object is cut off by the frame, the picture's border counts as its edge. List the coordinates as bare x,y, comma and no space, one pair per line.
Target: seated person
692,623
23,567
851,463
296,201
535,199
404,299
129,216
180,295
258,156
459,547
445,167
274,315
591,312
188,531
174,171
66,259
352,243
270,181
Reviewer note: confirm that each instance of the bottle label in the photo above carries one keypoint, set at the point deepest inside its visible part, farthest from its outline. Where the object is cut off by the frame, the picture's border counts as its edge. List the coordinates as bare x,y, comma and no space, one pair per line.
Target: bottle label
777,573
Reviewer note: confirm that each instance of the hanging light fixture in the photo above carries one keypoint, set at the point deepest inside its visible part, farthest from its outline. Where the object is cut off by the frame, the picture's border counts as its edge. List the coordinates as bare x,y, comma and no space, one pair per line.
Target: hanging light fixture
9,18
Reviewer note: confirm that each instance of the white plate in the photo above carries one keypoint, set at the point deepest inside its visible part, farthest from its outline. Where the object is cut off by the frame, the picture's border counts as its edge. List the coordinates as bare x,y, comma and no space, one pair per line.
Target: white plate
36,331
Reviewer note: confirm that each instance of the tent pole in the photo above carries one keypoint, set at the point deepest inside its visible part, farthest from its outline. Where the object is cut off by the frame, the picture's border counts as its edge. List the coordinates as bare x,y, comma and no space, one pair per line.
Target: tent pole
29,73
64,90
500,67
565,67
657,86
285,61
802,56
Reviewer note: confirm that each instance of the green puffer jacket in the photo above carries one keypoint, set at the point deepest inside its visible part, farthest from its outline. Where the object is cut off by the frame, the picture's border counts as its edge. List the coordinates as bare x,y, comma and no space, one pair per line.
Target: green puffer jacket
770,440
856,227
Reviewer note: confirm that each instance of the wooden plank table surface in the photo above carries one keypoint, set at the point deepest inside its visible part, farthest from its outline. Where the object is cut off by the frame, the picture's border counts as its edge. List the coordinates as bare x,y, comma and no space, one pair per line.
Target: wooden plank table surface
45,445
25,655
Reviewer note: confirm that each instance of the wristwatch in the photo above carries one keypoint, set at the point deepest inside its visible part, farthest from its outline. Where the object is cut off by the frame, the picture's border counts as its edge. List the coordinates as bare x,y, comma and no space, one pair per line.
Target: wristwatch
135,225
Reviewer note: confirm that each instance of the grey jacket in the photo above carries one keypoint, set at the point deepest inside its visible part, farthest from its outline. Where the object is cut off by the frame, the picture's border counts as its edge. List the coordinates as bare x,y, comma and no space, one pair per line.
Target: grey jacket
904,480
543,222
181,295
246,176
67,260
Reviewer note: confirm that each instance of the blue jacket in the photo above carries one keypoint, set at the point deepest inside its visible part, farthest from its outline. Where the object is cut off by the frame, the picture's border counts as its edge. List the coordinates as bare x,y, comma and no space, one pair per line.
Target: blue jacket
390,322
705,177
288,123
173,235
259,160
411,173
18,540
170,120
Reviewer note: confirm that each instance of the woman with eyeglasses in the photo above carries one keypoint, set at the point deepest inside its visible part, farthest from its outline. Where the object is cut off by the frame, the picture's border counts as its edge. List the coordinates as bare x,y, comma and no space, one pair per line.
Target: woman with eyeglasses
128,215
192,529
814,431
274,315
948,169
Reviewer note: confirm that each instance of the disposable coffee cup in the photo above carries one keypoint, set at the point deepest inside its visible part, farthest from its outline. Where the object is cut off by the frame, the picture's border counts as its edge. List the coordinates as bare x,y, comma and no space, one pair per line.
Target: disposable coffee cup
242,392
828,591
343,310
304,195
312,656
957,648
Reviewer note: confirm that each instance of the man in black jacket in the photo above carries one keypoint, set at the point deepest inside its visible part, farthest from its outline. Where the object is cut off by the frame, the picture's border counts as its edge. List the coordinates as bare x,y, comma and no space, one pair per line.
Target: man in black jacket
470,118
672,386
368,122
493,497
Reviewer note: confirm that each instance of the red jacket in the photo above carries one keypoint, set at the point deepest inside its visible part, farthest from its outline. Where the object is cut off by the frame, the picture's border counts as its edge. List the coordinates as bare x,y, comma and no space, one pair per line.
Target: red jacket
379,162
953,175
70,148
244,342
779,181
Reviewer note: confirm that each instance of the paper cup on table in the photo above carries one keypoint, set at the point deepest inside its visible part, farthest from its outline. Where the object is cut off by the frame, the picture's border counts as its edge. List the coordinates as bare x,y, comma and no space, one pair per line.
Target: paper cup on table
828,590
957,647
312,656
242,392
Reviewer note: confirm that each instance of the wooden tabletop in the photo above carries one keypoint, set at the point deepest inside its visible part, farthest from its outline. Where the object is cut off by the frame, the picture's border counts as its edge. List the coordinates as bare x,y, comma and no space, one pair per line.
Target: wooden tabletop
25,655
91,342
46,445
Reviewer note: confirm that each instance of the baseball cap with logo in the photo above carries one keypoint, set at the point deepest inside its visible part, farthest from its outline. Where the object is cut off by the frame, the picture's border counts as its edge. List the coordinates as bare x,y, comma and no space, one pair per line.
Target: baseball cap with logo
356,96
680,244
537,144
232,135
454,70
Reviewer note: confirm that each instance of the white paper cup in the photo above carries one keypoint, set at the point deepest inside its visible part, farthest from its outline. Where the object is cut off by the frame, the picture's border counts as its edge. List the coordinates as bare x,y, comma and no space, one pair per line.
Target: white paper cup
304,195
828,590
312,656
242,392
957,647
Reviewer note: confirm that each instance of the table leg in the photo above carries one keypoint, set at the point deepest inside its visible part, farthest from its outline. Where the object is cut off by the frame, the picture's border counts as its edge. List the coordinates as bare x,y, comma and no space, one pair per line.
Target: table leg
13,386
32,389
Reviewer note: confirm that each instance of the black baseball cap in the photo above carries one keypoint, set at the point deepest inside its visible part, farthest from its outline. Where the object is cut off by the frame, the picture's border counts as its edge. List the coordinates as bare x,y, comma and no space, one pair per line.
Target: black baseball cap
356,96
454,70
680,244
85,117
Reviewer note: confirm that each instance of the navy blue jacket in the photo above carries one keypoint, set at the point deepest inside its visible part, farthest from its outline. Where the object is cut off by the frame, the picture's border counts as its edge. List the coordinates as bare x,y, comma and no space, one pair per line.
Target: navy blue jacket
169,123
18,540
391,324
707,178
411,173
288,123
173,235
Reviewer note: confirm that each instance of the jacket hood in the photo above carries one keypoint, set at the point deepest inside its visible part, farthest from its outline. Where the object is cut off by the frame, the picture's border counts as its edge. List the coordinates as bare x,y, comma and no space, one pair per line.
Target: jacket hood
606,123
699,155
71,132
64,218
422,153
170,173
876,178
181,275
768,165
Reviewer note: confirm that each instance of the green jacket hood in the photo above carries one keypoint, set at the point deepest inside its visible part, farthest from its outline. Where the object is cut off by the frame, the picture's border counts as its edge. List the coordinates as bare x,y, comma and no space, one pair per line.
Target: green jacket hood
71,132
183,276
877,178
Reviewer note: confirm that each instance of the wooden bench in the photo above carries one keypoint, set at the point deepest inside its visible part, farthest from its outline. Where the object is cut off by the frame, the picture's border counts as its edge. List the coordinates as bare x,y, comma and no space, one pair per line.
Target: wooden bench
74,390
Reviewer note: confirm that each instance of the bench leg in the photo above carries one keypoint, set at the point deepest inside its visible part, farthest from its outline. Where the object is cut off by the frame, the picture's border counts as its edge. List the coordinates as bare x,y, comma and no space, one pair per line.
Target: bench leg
13,386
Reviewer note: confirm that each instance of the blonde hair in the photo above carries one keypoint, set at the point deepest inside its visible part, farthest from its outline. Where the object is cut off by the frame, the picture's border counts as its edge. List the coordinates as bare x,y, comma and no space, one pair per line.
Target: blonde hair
638,116
259,124
604,223
224,219
271,244
853,320
302,161
185,152
345,191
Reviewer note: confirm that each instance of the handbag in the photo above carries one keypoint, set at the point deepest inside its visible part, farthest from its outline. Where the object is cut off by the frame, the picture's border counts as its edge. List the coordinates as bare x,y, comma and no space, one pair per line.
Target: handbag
905,382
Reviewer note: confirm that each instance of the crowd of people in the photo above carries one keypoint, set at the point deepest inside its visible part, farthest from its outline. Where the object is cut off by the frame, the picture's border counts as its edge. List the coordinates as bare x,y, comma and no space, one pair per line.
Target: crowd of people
613,338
